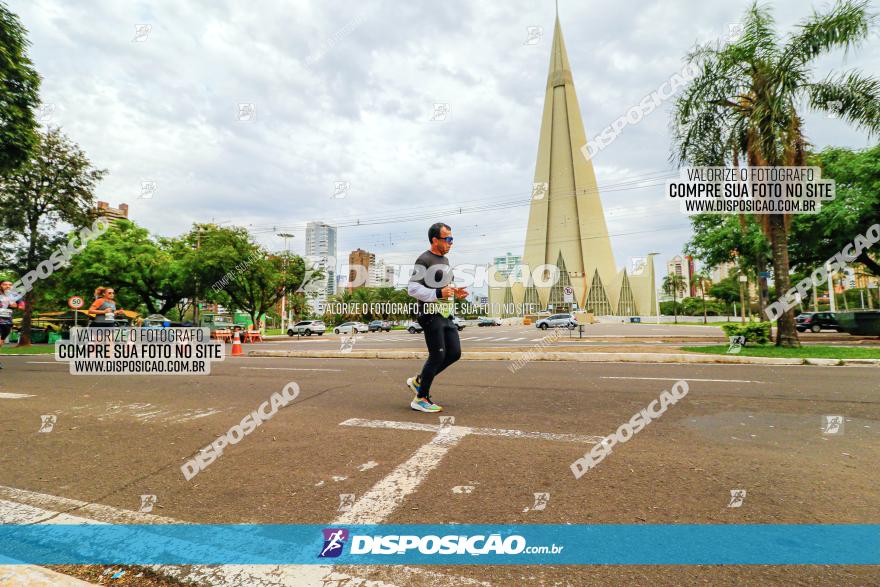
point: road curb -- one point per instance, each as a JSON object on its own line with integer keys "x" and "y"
{"x": 576, "y": 357}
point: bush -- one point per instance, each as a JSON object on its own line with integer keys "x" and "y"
{"x": 757, "y": 332}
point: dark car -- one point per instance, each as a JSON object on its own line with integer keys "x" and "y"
{"x": 488, "y": 322}
{"x": 379, "y": 325}
{"x": 816, "y": 321}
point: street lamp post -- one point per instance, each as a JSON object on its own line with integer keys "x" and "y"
{"x": 831, "y": 301}
{"x": 654, "y": 286}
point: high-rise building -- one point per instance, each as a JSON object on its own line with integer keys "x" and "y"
{"x": 683, "y": 266}
{"x": 566, "y": 228}
{"x": 103, "y": 210}
{"x": 359, "y": 264}
{"x": 721, "y": 272}
{"x": 508, "y": 265}
{"x": 381, "y": 274}
{"x": 321, "y": 254}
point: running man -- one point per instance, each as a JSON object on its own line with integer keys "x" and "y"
{"x": 431, "y": 285}
{"x": 9, "y": 301}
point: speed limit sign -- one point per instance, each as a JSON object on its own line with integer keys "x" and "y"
{"x": 568, "y": 295}
{"x": 75, "y": 302}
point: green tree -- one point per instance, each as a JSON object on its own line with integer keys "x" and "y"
{"x": 145, "y": 271}
{"x": 56, "y": 185}
{"x": 718, "y": 239}
{"x": 817, "y": 237}
{"x": 19, "y": 94}
{"x": 726, "y": 290}
{"x": 701, "y": 279}
{"x": 746, "y": 100}
{"x": 672, "y": 284}
{"x": 238, "y": 273}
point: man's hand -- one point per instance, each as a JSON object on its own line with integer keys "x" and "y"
{"x": 461, "y": 292}
{"x": 448, "y": 292}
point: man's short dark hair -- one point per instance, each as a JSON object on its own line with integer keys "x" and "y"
{"x": 434, "y": 231}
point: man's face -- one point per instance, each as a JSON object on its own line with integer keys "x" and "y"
{"x": 5, "y": 285}
{"x": 441, "y": 243}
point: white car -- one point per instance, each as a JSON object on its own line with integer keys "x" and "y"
{"x": 306, "y": 327}
{"x": 351, "y": 327}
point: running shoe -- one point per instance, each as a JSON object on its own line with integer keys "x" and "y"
{"x": 439, "y": 408}
{"x": 414, "y": 384}
{"x": 423, "y": 404}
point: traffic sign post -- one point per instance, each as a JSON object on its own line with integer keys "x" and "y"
{"x": 75, "y": 303}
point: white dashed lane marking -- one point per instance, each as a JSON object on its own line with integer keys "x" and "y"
{"x": 685, "y": 378}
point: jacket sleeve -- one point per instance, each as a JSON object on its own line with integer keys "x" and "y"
{"x": 421, "y": 292}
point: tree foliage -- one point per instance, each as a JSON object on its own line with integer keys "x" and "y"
{"x": 817, "y": 237}
{"x": 56, "y": 185}
{"x": 19, "y": 94}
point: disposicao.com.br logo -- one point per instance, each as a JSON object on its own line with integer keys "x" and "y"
{"x": 394, "y": 544}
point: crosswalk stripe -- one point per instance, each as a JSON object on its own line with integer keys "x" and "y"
{"x": 14, "y": 395}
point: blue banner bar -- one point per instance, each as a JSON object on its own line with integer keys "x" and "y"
{"x": 562, "y": 544}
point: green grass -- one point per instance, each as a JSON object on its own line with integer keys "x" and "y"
{"x": 14, "y": 349}
{"x": 804, "y": 352}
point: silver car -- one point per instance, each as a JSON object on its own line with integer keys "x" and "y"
{"x": 351, "y": 328}
{"x": 557, "y": 321}
{"x": 307, "y": 327}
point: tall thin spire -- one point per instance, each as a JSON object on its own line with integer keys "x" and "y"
{"x": 567, "y": 222}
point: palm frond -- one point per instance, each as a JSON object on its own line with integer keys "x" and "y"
{"x": 852, "y": 96}
{"x": 844, "y": 26}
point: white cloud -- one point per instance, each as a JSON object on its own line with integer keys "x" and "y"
{"x": 344, "y": 92}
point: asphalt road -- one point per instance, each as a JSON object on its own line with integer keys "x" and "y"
{"x": 740, "y": 427}
{"x": 517, "y": 337}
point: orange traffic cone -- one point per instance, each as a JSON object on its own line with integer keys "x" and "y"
{"x": 236, "y": 345}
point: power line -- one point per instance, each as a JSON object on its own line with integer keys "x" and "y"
{"x": 405, "y": 215}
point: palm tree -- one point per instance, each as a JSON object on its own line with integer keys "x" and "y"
{"x": 702, "y": 278}
{"x": 671, "y": 284}
{"x": 746, "y": 100}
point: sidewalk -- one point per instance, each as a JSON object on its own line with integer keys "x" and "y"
{"x": 580, "y": 355}
{"x": 34, "y": 576}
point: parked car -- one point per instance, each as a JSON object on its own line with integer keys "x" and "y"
{"x": 379, "y": 325}
{"x": 351, "y": 327}
{"x": 414, "y": 327}
{"x": 307, "y": 328}
{"x": 816, "y": 321}
{"x": 488, "y": 322}
{"x": 557, "y": 321}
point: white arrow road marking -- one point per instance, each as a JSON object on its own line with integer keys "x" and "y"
{"x": 385, "y": 496}
{"x": 477, "y": 431}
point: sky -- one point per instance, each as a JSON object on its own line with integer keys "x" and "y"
{"x": 257, "y": 113}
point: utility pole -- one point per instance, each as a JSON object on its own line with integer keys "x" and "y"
{"x": 285, "y": 236}
{"x": 196, "y": 293}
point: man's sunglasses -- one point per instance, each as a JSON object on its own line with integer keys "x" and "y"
{"x": 447, "y": 239}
